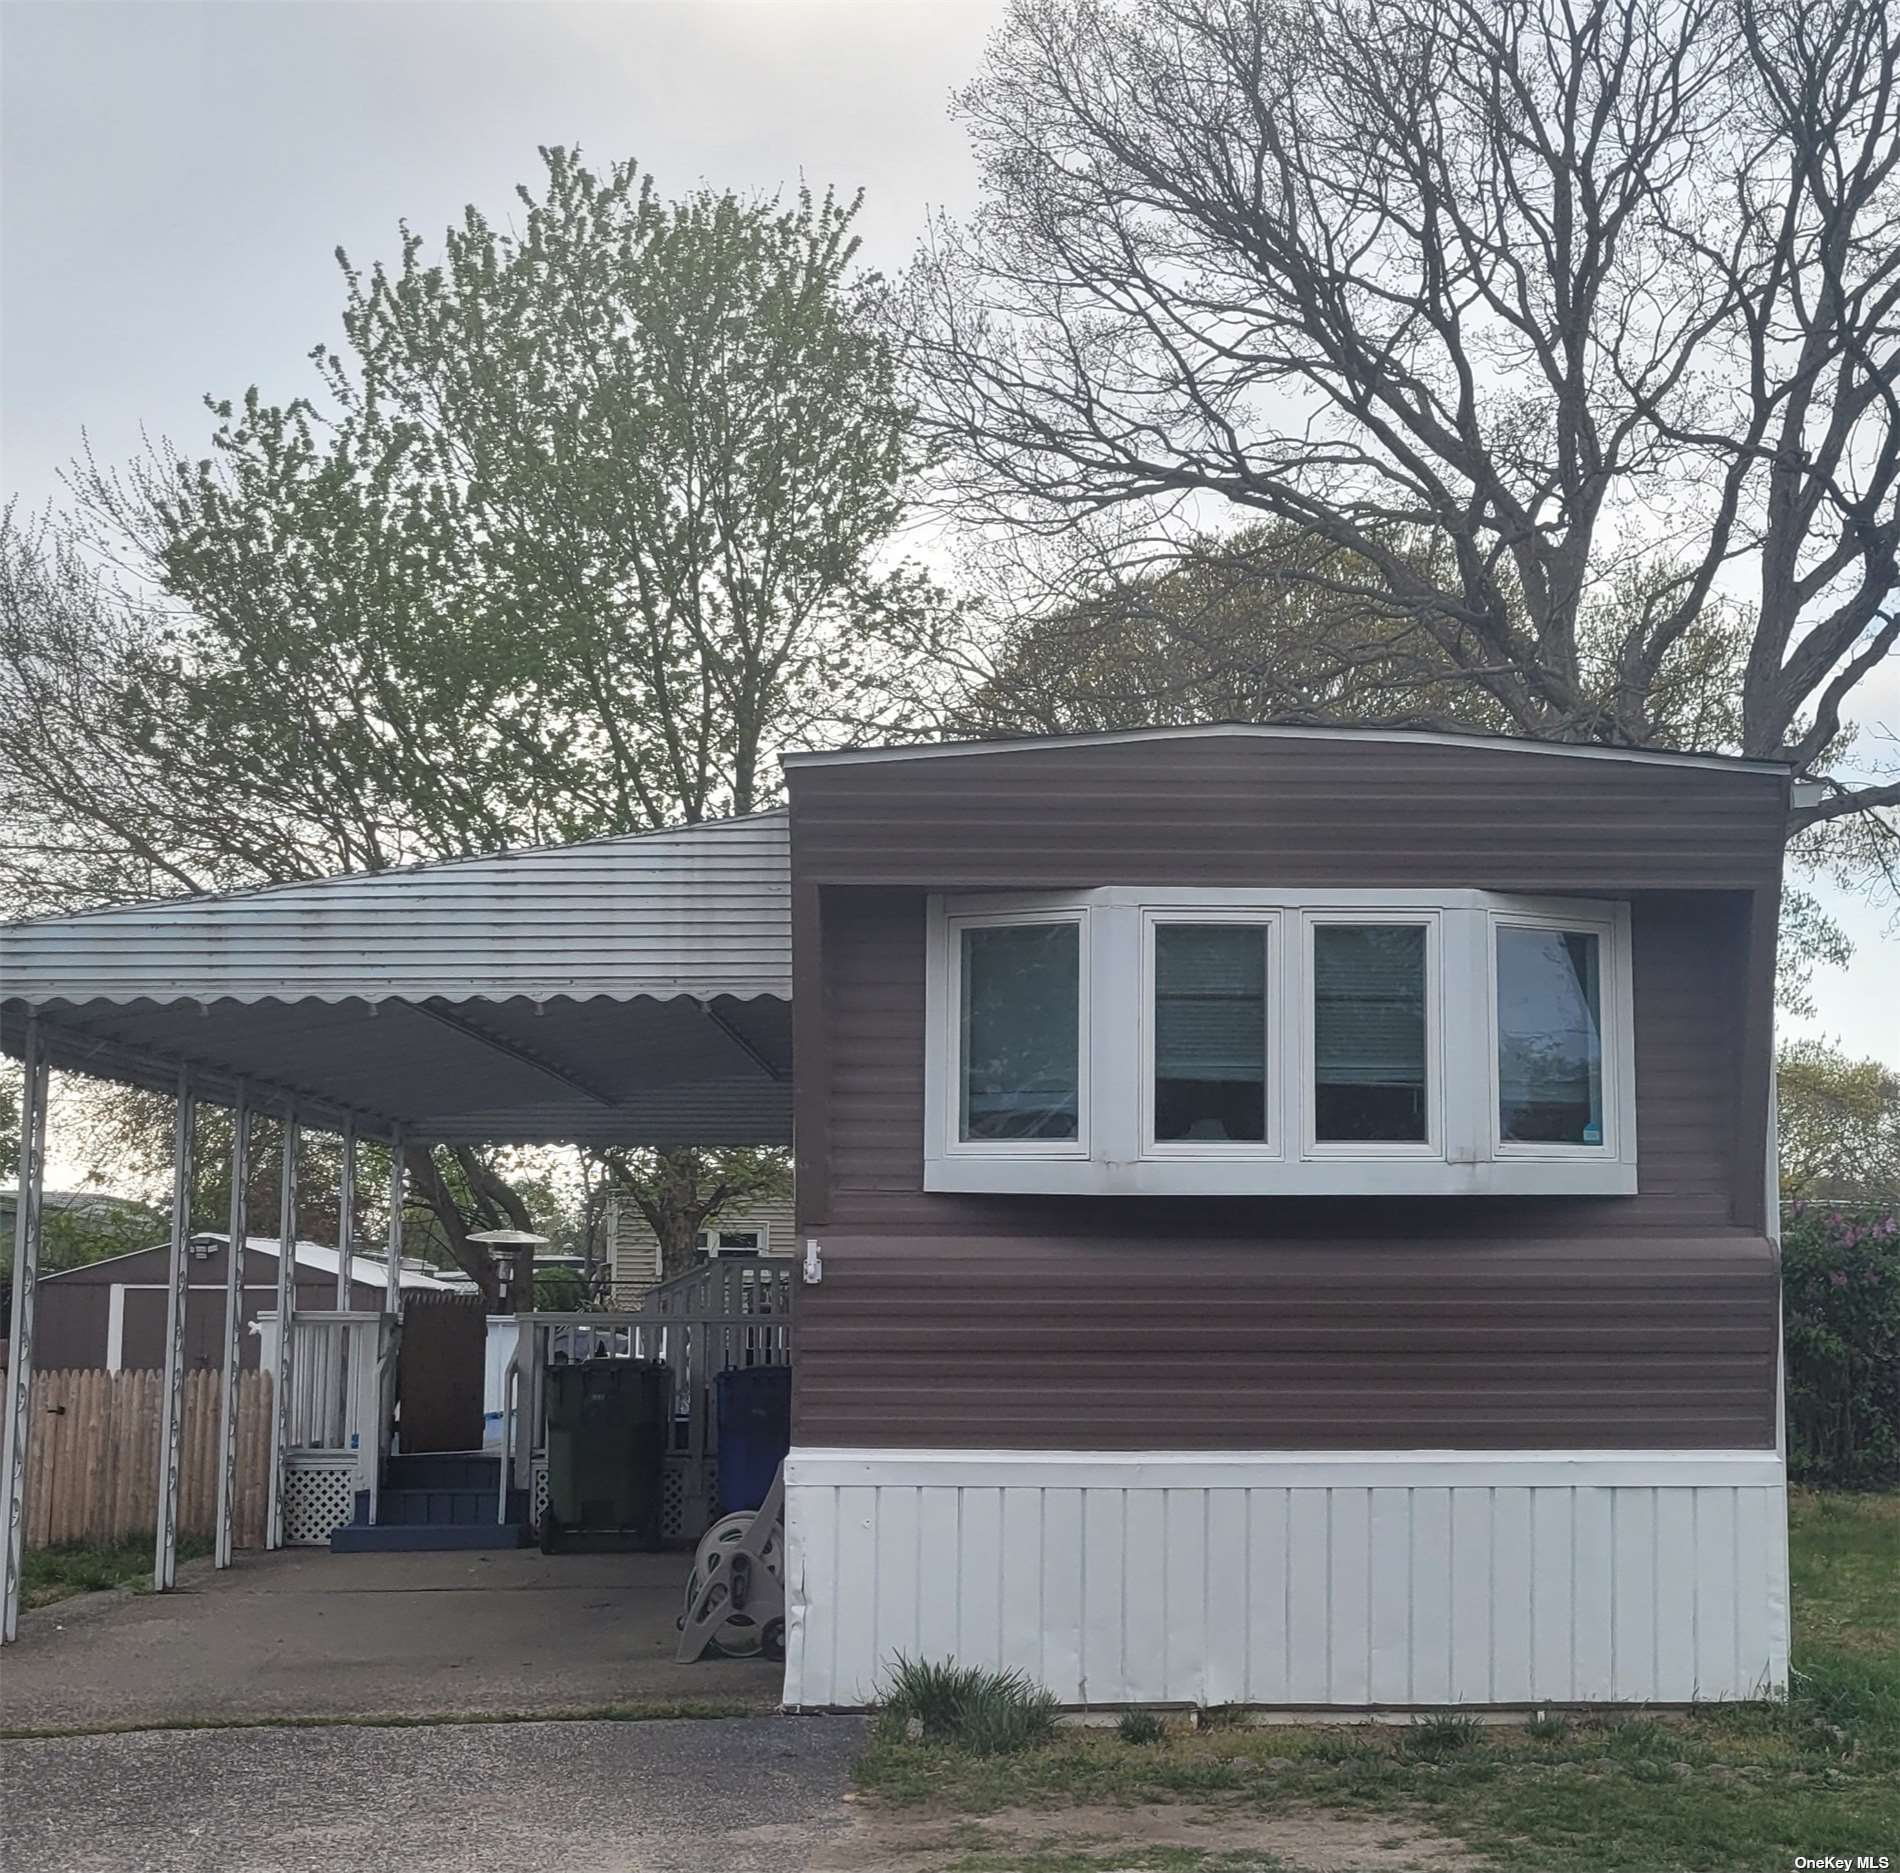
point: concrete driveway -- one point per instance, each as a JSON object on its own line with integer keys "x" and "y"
{"x": 749, "y": 1795}
{"x": 307, "y": 1633}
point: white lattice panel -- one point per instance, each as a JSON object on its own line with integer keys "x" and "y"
{"x": 689, "y": 1487}
{"x": 318, "y": 1500}
{"x": 685, "y": 1511}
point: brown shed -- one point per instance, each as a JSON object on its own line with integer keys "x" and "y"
{"x": 112, "y": 1313}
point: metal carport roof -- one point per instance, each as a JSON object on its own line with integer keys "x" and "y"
{"x": 631, "y": 990}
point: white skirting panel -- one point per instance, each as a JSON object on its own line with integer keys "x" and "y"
{"x": 1369, "y": 1582}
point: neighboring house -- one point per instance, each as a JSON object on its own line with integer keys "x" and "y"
{"x": 1293, "y": 1220}
{"x": 765, "y": 1228}
{"x": 112, "y": 1313}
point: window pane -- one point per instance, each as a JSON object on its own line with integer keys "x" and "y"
{"x": 1369, "y": 1033}
{"x": 1021, "y": 1028}
{"x": 1550, "y": 1037}
{"x": 1211, "y": 1031}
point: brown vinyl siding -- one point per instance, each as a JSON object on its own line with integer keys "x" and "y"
{"x": 1265, "y": 1323}
{"x": 1172, "y": 1343}
{"x": 1297, "y": 812}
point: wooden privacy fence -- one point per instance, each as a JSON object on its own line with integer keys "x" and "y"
{"x": 93, "y": 1473}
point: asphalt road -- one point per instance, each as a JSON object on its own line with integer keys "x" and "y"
{"x": 735, "y": 1795}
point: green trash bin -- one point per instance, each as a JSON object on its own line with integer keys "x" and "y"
{"x": 607, "y": 1424}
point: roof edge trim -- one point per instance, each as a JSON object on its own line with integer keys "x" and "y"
{"x": 372, "y": 997}
{"x": 393, "y": 873}
{"x": 928, "y": 751}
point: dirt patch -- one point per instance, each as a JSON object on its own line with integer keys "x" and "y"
{"x": 909, "y": 1841}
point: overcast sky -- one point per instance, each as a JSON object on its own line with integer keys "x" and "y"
{"x": 177, "y": 177}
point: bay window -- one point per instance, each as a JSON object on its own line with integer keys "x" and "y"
{"x": 1208, "y": 1073}
{"x": 1236, "y": 1042}
{"x": 1550, "y": 1050}
{"x": 1371, "y": 1016}
{"x": 1019, "y": 1059}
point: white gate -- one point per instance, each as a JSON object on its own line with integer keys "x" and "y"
{"x": 342, "y": 1399}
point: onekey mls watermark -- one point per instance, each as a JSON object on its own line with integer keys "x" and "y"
{"x": 1842, "y": 1863}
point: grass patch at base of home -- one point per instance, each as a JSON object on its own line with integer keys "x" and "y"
{"x": 1735, "y": 1788}
{"x": 69, "y": 1567}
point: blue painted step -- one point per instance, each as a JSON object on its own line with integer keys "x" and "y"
{"x": 437, "y": 1501}
{"x": 437, "y": 1537}
{"x": 444, "y": 1470}
{"x": 459, "y": 1506}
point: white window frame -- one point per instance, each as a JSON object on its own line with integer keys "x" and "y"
{"x": 943, "y": 1011}
{"x": 1610, "y": 924}
{"x": 1272, "y": 925}
{"x": 1115, "y": 1152}
{"x": 710, "y": 1239}
{"x": 1432, "y": 1146}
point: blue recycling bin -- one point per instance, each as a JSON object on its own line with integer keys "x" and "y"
{"x": 755, "y": 1432}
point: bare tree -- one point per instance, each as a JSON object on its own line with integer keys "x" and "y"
{"x": 1493, "y": 302}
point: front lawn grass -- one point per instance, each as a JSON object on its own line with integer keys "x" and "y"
{"x": 70, "y": 1567}
{"x": 1736, "y": 1788}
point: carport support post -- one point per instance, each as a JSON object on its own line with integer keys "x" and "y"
{"x": 26, "y": 1269}
{"x": 172, "y": 1406}
{"x": 345, "y": 1212}
{"x": 392, "y": 1299}
{"x": 282, "y": 1376}
{"x": 234, "y": 1260}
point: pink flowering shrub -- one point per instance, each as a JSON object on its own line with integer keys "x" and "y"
{"x": 1840, "y": 1273}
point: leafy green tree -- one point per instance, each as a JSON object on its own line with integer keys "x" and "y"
{"x": 1839, "y": 1122}
{"x": 561, "y": 1291}
{"x": 587, "y": 528}
{"x": 1267, "y": 624}
{"x": 1840, "y": 1276}
{"x": 583, "y": 521}
{"x": 9, "y": 1123}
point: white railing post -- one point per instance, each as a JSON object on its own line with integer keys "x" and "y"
{"x": 18, "y": 1434}
{"x": 384, "y": 1332}
{"x": 532, "y": 1415}
{"x": 345, "y": 1213}
{"x": 393, "y": 1272}
{"x": 510, "y": 1382}
{"x": 236, "y": 1254}
{"x": 172, "y": 1405}
{"x": 283, "y": 1377}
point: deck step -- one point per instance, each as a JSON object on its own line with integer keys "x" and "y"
{"x": 444, "y": 1470}
{"x": 429, "y": 1537}
{"x": 437, "y": 1506}
{"x": 437, "y": 1501}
